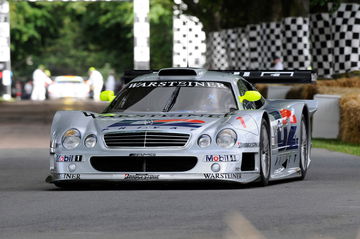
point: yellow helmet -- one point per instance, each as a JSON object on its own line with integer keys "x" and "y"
{"x": 92, "y": 69}
{"x": 48, "y": 73}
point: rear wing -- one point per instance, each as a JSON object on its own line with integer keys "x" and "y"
{"x": 253, "y": 76}
{"x": 275, "y": 76}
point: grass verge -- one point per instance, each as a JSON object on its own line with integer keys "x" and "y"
{"x": 337, "y": 145}
{"x": 7, "y": 100}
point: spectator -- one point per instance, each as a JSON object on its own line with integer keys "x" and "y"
{"x": 40, "y": 81}
{"x": 277, "y": 64}
{"x": 27, "y": 90}
{"x": 18, "y": 90}
{"x": 96, "y": 81}
{"x": 110, "y": 82}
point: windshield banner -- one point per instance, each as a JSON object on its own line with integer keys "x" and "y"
{"x": 207, "y": 84}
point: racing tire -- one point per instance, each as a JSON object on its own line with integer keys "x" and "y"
{"x": 304, "y": 148}
{"x": 264, "y": 153}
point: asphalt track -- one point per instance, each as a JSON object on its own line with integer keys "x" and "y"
{"x": 325, "y": 205}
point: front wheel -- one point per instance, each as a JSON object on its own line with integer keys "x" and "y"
{"x": 264, "y": 153}
{"x": 304, "y": 148}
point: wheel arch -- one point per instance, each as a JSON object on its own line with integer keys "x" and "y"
{"x": 305, "y": 112}
{"x": 308, "y": 125}
{"x": 267, "y": 119}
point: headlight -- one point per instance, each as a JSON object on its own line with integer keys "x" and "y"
{"x": 90, "y": 141}
{"x": 71, "y": 139}
{"x": 226, "y": 138}
{"x": 204, "y": 141}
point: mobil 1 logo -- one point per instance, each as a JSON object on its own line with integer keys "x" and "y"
{"x": 220, "y": 158}
{"x": 68, "y": 158}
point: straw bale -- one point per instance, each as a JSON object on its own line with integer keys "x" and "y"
{"x": 350, "y": 118}
{"x": 349, "y": 90}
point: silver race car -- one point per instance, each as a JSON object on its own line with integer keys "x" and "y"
{"x": 186, "y": 124}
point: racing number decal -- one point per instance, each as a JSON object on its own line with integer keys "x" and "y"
{"x": 287, "y": 140}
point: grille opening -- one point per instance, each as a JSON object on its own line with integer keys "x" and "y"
{"x": 177, "y": 72}
{"x": 146, "y": 139}
{"x": 248, "y": 162}
{"x": 143, "y": 164}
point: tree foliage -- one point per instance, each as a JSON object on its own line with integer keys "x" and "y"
{"x": 222, "y": 14}
{"x": 32, "y": 28}
{"x": 160, "y": 16}
{"x": 219, "y": 14}
{"x": 69, "y": 37}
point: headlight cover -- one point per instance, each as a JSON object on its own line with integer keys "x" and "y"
{"x": 204, "y": 141}
{"x": 226, "y": 138}
{"x": 71, "y": 139}
{"x": 90, "y": 141}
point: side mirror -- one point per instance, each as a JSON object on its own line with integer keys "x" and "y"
{"x": 251, "y": 96}
{"x": 107, "y": 95}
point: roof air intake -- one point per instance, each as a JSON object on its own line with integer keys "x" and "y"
{"x": 177, "y": 72}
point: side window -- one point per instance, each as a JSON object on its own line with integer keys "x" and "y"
{"x": 242, "y": 89}
{"x": 259, "y": 103}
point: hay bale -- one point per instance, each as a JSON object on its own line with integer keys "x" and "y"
{"x": 342, "y": 86}
{"x": 262, "y": 88}
{"x": 329, "y": 90}
{"x": 349, "y": 89}
{"x": 350, "y": 118}
{"x": 341, "y": 82}
{"x": 302, "y": 92}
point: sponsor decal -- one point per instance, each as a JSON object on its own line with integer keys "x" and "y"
{"x": 287, "y": 140}
{"x": 283, "y": 159}
{"x": 220, "y": 158}
{"x": 174, "y": 123}
{"x": 68, "y": 158}
{"x": 69, "y": 176}
{"x": 249, "y": 145}
{"x": 177, "y": 84}
{"x": 141, "y": 177}
{"x": 245, "y": 123}
{"x": 222, "y": 175}
{"x": 142, "y": 155}
{"x": 242, "y": 121}
{"x": 275, "y": 114}
{"x": 286, "y": 115}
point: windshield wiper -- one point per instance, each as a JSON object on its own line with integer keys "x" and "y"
{"x": 231, "y": 111}
{"x": 172, "y": 100}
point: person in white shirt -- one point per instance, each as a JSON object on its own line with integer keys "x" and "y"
{"x": 96, "y": 81}
{"x": 40, "y": 81}
{"x": 277, "y": 64}
{"x": 110, "y": 82}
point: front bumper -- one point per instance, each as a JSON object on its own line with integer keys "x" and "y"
{"x": 245, "y": 177}
{"x": 218, "y": 167}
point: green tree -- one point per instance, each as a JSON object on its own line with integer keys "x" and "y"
{"x": 32, "y": 28}
{"x": 161, "y": 37}
{"x": 106, "y": 30}
{"x": 218, "y": 14}
{"x": 70, "y": 37}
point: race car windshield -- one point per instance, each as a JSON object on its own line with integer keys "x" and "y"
{"x": 175, "y": 96}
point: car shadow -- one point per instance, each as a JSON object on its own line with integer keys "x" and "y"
{"x": 161, "y": 185}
